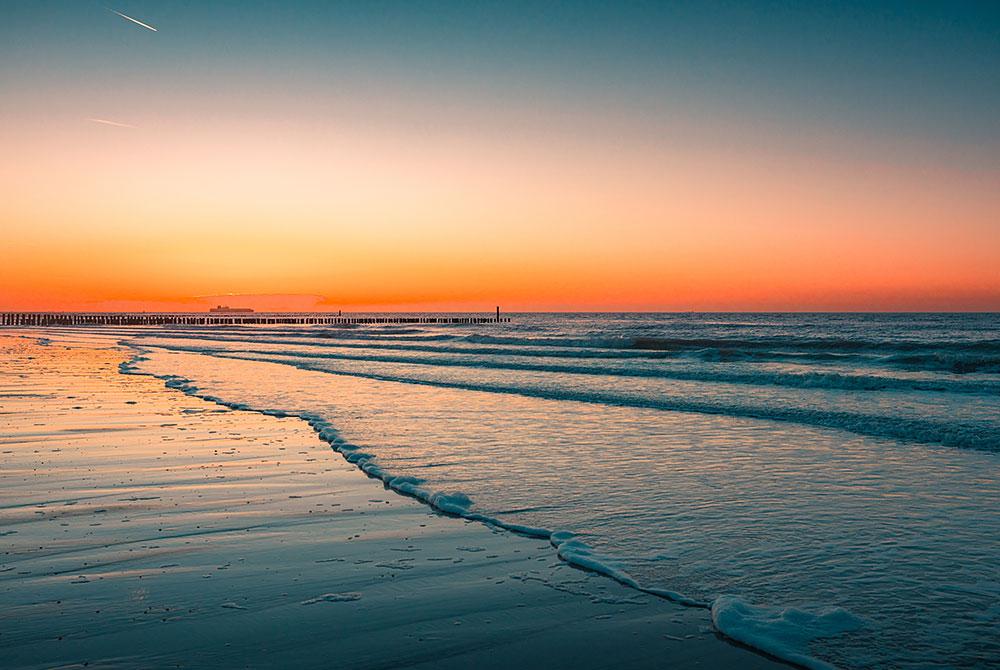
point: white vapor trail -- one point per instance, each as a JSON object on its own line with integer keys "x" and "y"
{"x": 136, "y": 21}
{"x": 112, "y": 123}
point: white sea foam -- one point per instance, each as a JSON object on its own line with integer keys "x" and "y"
{"x": 333, "y": 598}
{"x": 784, "y": 633}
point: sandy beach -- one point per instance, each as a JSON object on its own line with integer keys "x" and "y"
{"x": 140, "y": 527}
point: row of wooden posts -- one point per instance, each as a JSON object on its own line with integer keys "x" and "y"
{"x": 210, "y": 319}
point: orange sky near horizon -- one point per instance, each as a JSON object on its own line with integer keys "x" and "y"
{"x": 372, "y": 218}
{"x": 279, "y": 194}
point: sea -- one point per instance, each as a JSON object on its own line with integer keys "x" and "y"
{"x": 826, "y": 486}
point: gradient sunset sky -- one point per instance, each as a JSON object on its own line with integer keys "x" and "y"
{"x": 539, "y": 156}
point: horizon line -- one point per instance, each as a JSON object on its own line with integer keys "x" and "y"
{"x": 492, "y": 311}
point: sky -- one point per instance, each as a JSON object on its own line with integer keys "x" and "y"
{"x": 551, "y": 156}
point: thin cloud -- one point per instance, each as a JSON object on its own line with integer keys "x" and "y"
{"x": 116, "y": 124}
{"x": 135, "y": 21}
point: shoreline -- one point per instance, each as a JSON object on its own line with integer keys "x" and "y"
{"x": 567, "y": 548}
{"x": 267, "y": 553}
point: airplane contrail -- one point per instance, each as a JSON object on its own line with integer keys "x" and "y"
{"x": 112, "y": 123}
{"x": 136, "y": 21}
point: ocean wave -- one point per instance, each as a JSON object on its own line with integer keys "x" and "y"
{"x": 979, "y": 356}
{"x": 416, "y": 345}
{"x": 952, "y": 356}
{"x": 979, "y": 435}
{"x": 804, "y": 380}
{"x": 945, "y": 362}
{"x": 819, "y": 344}
{"x": 785, "y": 636}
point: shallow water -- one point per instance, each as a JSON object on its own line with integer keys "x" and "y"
{"x": 792, "y": 461}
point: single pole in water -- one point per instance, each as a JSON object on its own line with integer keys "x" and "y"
{"x": 498, "y": 313}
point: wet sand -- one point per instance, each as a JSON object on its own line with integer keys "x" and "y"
{"x": 140, "y": 527}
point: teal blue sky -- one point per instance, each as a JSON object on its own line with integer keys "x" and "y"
{"x": 922, "y": 70}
